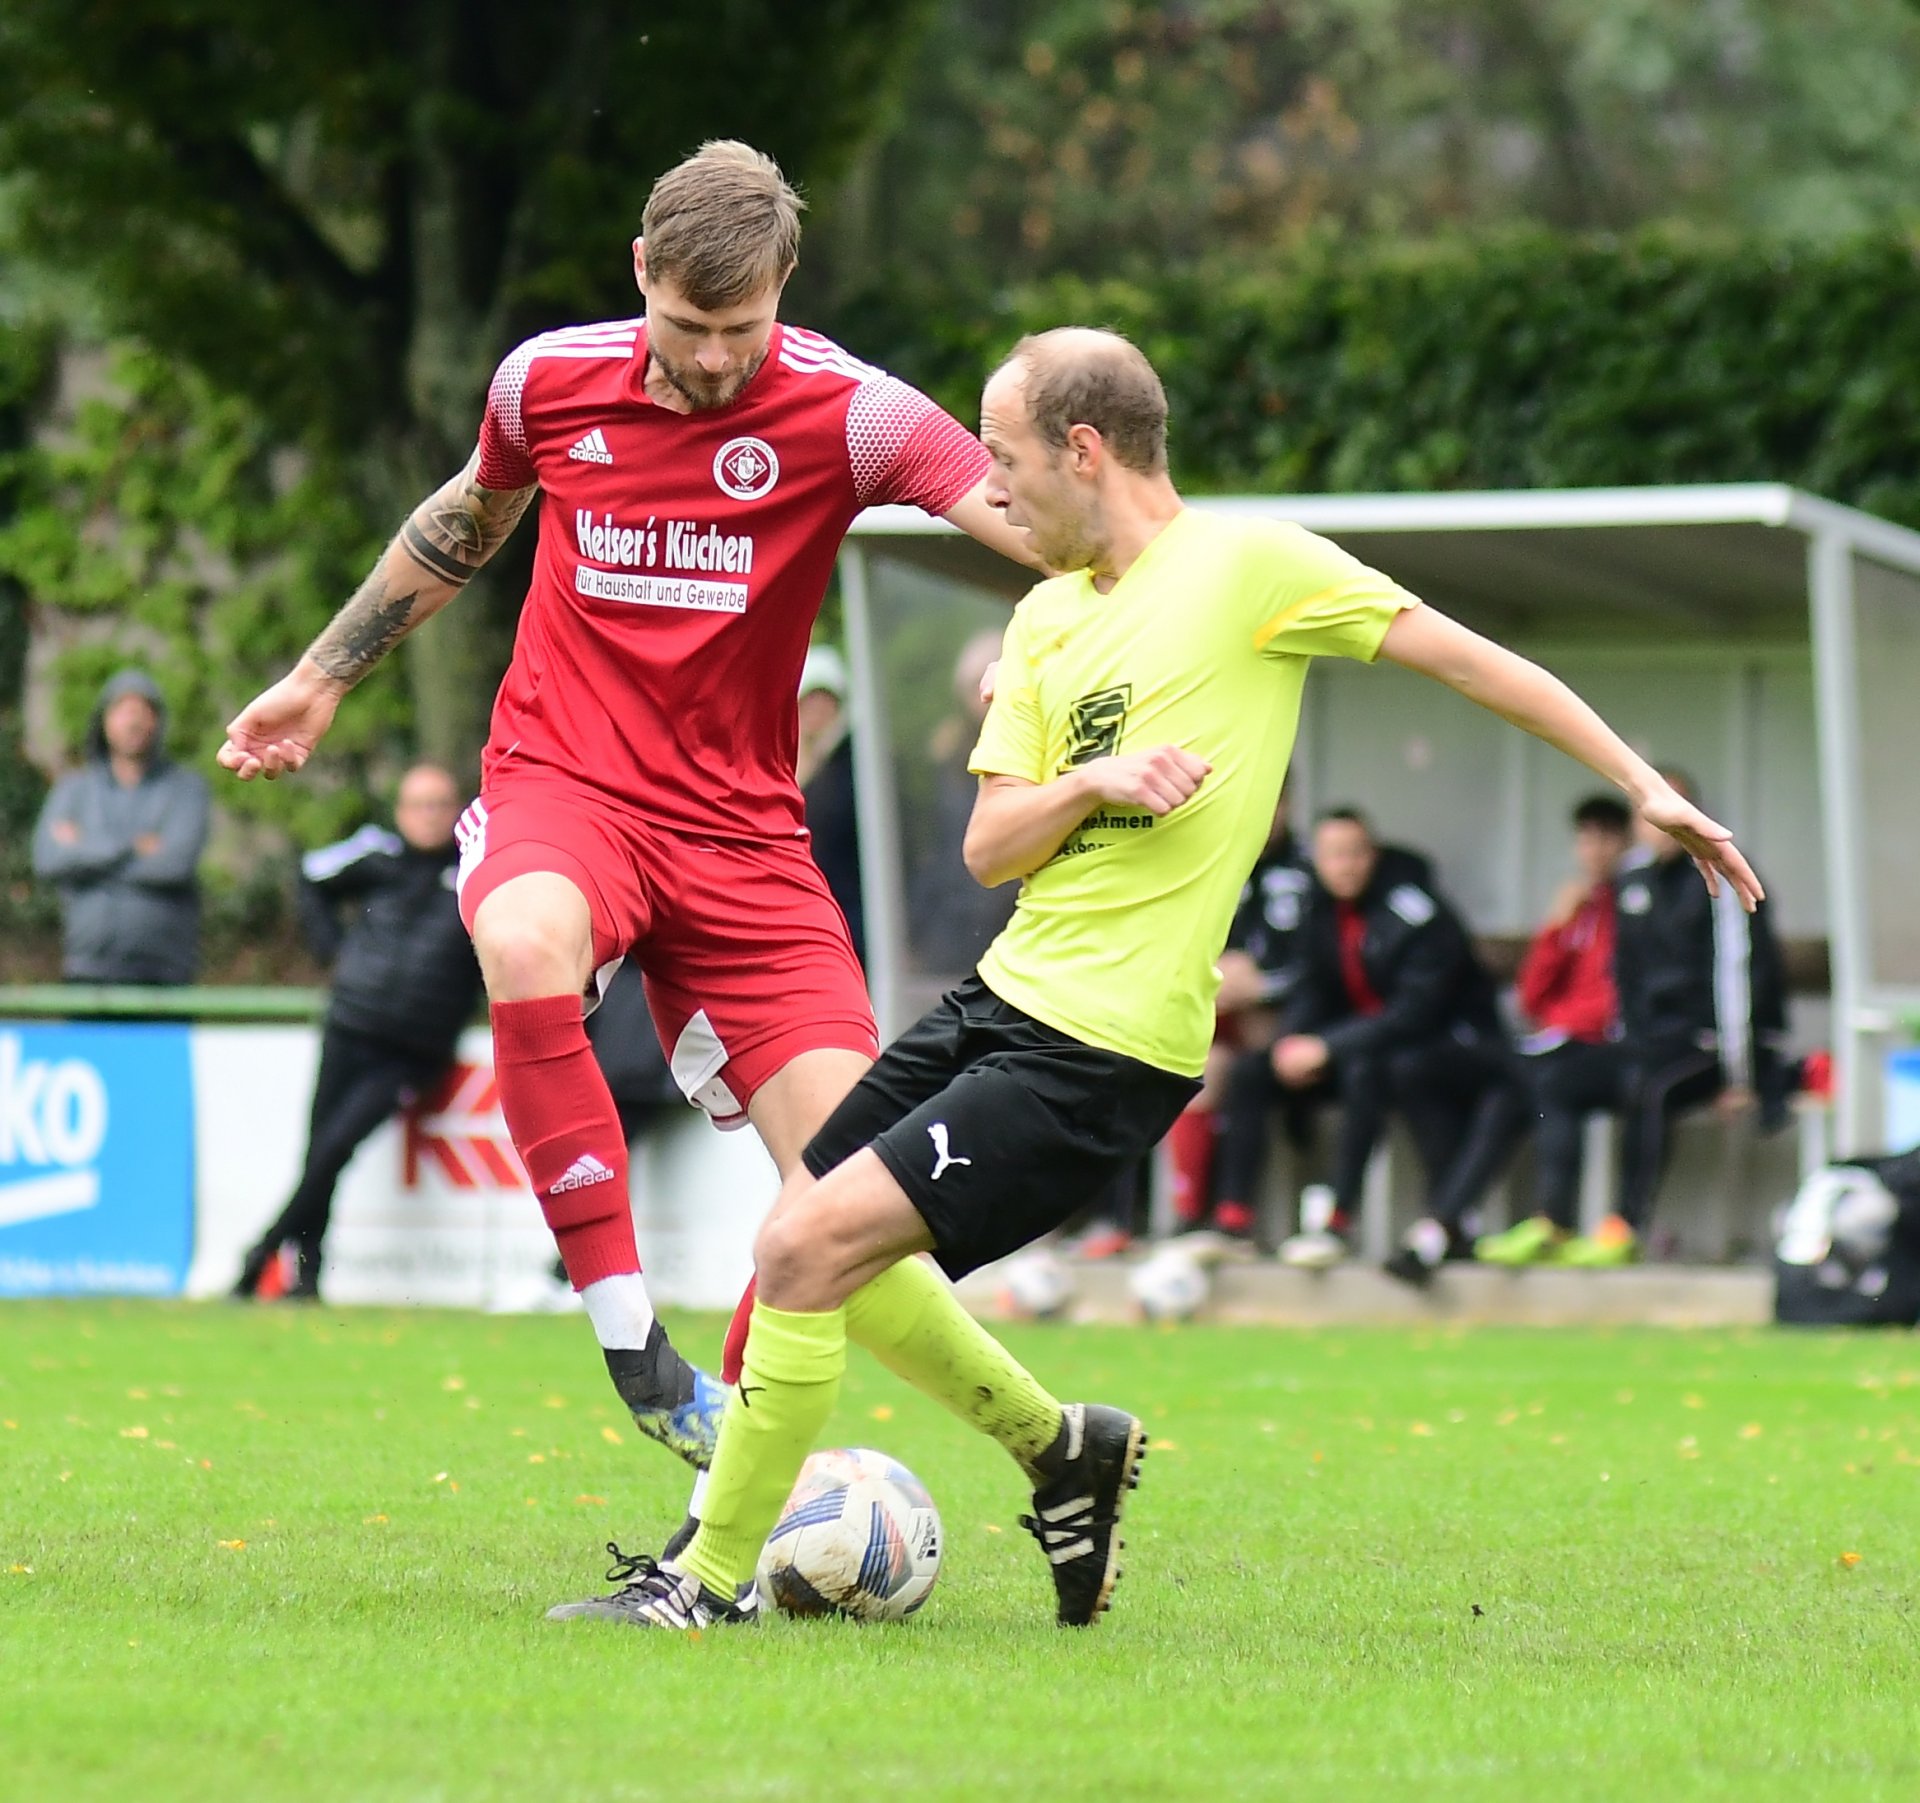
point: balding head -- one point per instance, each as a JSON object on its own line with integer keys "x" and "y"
{"x": 1078, "y": 376}
{"x": 427, "y": 806}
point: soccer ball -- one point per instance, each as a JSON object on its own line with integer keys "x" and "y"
{"x": 859, "y": 1536}
{"x": 1034, "y": 1286}
{"x": 1863, "y": 1218}
{"x": 1170, "y": 1285}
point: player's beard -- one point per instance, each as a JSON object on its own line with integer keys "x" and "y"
{"x": 702, "y": 393}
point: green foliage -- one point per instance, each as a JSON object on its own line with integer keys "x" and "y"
{"x": 297, "y": 199}
{"x": 160, "y": 523}
{"x": 1527, "y": 361}
{"x": 349, "y": 214}
{"x": 24, "y": 366}
{"x": 1067, "y": 136}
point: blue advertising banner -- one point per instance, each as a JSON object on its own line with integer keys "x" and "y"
{"x": 96, "y": 1160}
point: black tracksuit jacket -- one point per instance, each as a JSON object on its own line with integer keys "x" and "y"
{"x": 403, "y": 968}
{"x": 1418, "y": 960}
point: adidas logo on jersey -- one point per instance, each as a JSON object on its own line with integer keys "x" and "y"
{"x": 584, "y": 1170}
{"x": 592, "y": 449}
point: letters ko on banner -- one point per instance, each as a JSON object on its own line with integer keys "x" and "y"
{"x": 96, "y": 1160}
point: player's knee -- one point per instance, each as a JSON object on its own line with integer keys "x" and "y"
{"x": 792, "y": 1254}
{"x": 522, "y": 955}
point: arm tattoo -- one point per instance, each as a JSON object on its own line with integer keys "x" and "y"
{"x": 455, "y": 531}
{"x": 434, "y": 561}
{"x": 364, "y": 631}
{"x": 449, "y": 536}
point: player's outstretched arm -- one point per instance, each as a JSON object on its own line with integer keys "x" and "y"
{"x": 431, "y": 559}
{"x": 1018, "y": 825}
{"x": 1537, "y": 701}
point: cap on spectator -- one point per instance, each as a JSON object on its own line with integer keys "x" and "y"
{"x": 825, "y": 669}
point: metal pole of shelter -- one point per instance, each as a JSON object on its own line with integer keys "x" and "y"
{"x": 1836, "y": 675}
{"x": 875, "y": 804}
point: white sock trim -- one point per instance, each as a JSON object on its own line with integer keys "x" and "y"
{"x": 621, "y": 1312}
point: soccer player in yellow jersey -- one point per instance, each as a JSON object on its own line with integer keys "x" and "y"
{"x": 1144, "y": 712}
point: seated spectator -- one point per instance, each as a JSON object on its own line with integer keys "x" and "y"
{"x": 404, "y": 984}
{"x": 1573, "y": 1060}
{"x": 1702, "y": 1016}
{"x": 1257, "y": 970}
{"x": 120, "y": 839}
{"x": 824, "y": 768}
{"x": 1391, "y": 1010}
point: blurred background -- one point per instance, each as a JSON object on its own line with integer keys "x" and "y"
{"x": 260, "y": 261}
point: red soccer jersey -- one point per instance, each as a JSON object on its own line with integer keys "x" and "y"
{"x": 1566, "y": 981}
{"x": 683, "y": 558}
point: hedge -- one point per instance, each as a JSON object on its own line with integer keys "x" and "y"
{"x": 1521, "y": 362}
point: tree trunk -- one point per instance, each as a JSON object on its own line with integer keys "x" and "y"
{"x": 455, "y": 661}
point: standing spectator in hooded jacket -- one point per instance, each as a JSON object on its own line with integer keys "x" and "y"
{"x": 120, "y": 839}
{"x": 404, "y": 984}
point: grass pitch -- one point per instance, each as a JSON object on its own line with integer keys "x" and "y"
{"x": 304, "y": 1554}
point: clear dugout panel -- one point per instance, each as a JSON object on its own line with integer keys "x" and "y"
{"x": 933, "y": 639}
{"x": 1887, "y": 641}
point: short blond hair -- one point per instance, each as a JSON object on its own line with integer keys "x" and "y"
{"x": 724, "y": 225}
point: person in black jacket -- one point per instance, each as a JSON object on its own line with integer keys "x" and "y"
{"x": 1702, "y": 1019}
{"x": 404, "y": 984}
{"x": 1391, "y": 1010}
{"x": 825, "y": 772}
{"x": 1257, "y": 970}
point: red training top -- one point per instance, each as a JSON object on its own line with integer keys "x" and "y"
{"x": 1566, "y": 980}
{"x": 1351, "y": 925}
{"x": 683, "y": 558}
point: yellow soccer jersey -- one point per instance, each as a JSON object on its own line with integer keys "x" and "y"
{"x": 1203, "y": 644}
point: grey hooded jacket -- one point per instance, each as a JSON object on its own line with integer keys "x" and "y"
{"x": 130, "y": 917}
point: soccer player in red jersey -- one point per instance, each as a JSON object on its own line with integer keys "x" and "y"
{"x": 697, "y": 470}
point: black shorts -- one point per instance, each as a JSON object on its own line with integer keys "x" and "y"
{"x": 996, "y": 1126}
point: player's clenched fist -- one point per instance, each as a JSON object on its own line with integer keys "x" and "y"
{"x": 276, "y": 733}
{"x": 1158, "y": 780}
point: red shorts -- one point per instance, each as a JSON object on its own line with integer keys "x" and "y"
{"x": 744, "y": 950}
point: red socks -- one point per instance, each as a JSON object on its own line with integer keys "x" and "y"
{"x": 1190, "y": 1143}
{"x": 564, "y": 1126}
{"x": 736, "y": 1347}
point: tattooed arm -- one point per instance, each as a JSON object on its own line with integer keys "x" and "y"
{"x": 432, "y": 558}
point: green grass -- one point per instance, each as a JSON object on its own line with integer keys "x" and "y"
{"x": 305, "y": 1554}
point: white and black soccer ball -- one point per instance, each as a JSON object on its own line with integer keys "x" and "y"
{"x": 1171, "y": 1285}
{"x": 1863, "y": 1219}
{"x": 859, "y": 1537}
{"x": 1034, "y": 1286}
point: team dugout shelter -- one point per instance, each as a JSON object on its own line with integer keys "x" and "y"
{"x": 1763, "y": 639}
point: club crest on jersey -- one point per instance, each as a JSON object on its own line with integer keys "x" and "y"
{"x": 1096, "y": 724}
{"x": 746, "y": 468}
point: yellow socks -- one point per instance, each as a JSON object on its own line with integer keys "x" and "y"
{"x": 912, "y": 1322}
{"x": 789, "y": 1381}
